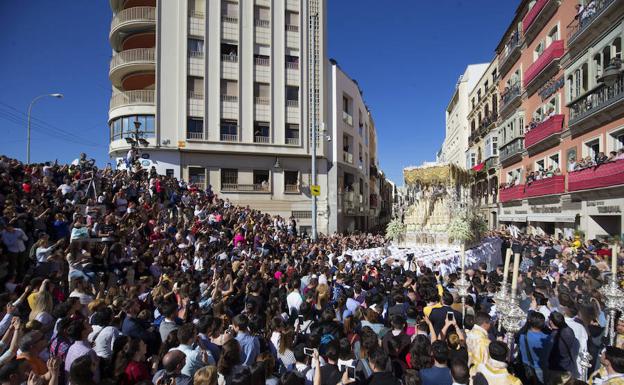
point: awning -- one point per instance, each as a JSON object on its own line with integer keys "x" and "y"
{"x": 566, "y": 218}
{"x": 512, "y": 218}
{"x": 478, "y": 167}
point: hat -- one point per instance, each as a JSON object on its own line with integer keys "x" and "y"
{"x": 498, "y": 351}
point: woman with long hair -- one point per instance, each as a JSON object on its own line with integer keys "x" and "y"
{"x": 130, "y": 366}
{"x": 323, "y": 294}
{"x": 41, "y": 310}
{"x": 206, "y": 376}
{"x": 419, "y": 356}
{"x": 284, "y": 350}
{"x": 229, "y": 359}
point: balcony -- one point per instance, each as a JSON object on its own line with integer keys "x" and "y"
{"x": 292, "y": 28}
{"x": 511, "y": 193}
{"x": 600, "y": 106}
{"x": 537, "y": 17}
{"x": 546, "y": 186}
{"x": 544, "y": 68}
{"x": 236, "y": 187}
{"x": 347, "y": 118}
{"x": 130, "y": 61}
{"x": 262, "y": 61}
{"x": 262, "y": 23}
{"x": 544, "y": 135}
{"x": 347, "y": 157}
{"x": 229, "y": 19}
{"x": 491, "y": 163}
{"x": 292, "y": 103}
{"x": 592, "y": 23}
{"x": 194, "y": 135}
{"x": 605, "y": 175}
{"x": 291, "y": 188}
{"x": 131, "y": 20}
{"x": 229, "y": 137}
{"x": 292, "y": 141}
{"x": 262, "y": 139}
{"x": 132, "y": 98}
{"x": 511, "y": 53}
{"x": 510, "y": 99}
{"x": 511, "y": 152}
{"x": 487, "y": 123}
{"x": 229, "y": 98}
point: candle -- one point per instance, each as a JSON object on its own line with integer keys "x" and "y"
{"x": 614, "y": 257}
{"x": 463, "y": 258}
{"x": 514, "y": 279}
{"x": 507, "y": 260}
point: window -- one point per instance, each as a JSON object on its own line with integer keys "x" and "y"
{"x": 195, "y": 86}
{"x": 229, "y": 178}
{"x": 292, "y": 134}
{"x": 195, "y": 128}
{"x": 540, "y": 165}
{"x": 229, "y": 90}
{"x": 617, "y": 138}
{"x": 229, "y": 129}
{"x": 494, "y": 146}
{"x": 229, "y": 52}
{"x": 124, "y": 126}
{"x": 473, "y": 159}
{"x": 553, "y": 35}
{"x": 292, "y": 21}
{"x": 262, "y": 93}
{"x": 230, "y": 10}
{"x": 262, "y": 132}
{"x": 197, "y": 176}
{"x": 262, "y": 16}
{"x": 292, "y": 62}
{"x": 291, "y": 181}
{"x": 292, "y": 96}
{"x": 261, "y": 179}
{"x": 553, "y": 161}
{"x": 196, "y": 46}
{"x": 169, "y": 172}
{"x": 539, "y": 49}
{"x": 346, "y": 104}
{"x": 591, "y": 148}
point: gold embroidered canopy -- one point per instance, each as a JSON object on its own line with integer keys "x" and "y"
{"x": 436, "y": 174}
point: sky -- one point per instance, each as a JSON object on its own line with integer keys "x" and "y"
{"x": 405, "y": 54}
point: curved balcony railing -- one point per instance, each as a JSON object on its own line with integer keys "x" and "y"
{"x": 604, "y": 175}
{"x": 132, "y": 56}
{"x": 551, "y": 126}
{"x": 134, "y": 15}
{"x": 131, "y": 98}
{"x": 550, "y": 54}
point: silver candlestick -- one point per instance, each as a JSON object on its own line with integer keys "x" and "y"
{"x": 501, "y": 299}
{"x": 585, "y": 365}
{"x": 462, "y": 289}
{"x": 614, "y": 302}
{"x": 513, "y": 319}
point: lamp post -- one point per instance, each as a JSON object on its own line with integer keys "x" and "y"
{"x": 135, "y": 141}
{"x": 28, "y": 128}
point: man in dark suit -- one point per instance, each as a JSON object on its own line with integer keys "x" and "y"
{"x": 439, "y": 315}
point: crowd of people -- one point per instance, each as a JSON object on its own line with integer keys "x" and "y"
{"x": 130, "y": 277}
{"x": 599, "y": 159}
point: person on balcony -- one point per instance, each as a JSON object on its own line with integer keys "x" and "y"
{"x": 572, "y": 164}
{"x": 600, "y": 159}
{"x": 620, "y": 154}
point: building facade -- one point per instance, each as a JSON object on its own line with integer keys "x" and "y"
{"x": 221, "y": 91}
{"x": 457, "y": 128}
{"x": 482, "y": 152}
{"x": 562, "y": 92}
{"x": 352, "y": 156}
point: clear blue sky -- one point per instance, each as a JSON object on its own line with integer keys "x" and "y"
{"x": 405, "y": 54}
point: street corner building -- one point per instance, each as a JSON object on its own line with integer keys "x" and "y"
{"x": 545, "y": 121}
{"x": 229, "y": 93}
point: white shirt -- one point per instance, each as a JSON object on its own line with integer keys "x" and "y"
{"x": 103, "y": 340}
{"x": 581, "y": 335}
{"x": 294, "y": 301}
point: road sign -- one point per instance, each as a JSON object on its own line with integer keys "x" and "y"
{"x": 315, "y": 190}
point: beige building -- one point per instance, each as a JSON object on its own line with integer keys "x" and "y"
{"x": 220, "y": 89}
{"x": 482, "y": 152}
{"x": 457, "y": 129}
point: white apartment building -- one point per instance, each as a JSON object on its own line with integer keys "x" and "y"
{"x": 457, "y": 127}
{"x": 349, "y": 154}
{"x": 221, "y": 91}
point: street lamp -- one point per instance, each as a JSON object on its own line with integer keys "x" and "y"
{"x": 28, "y": 129}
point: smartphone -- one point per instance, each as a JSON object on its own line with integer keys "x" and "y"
{"x": 308, "y": 351}
{"x": 450, "y": 315}
{"x": 351, "y": 372}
